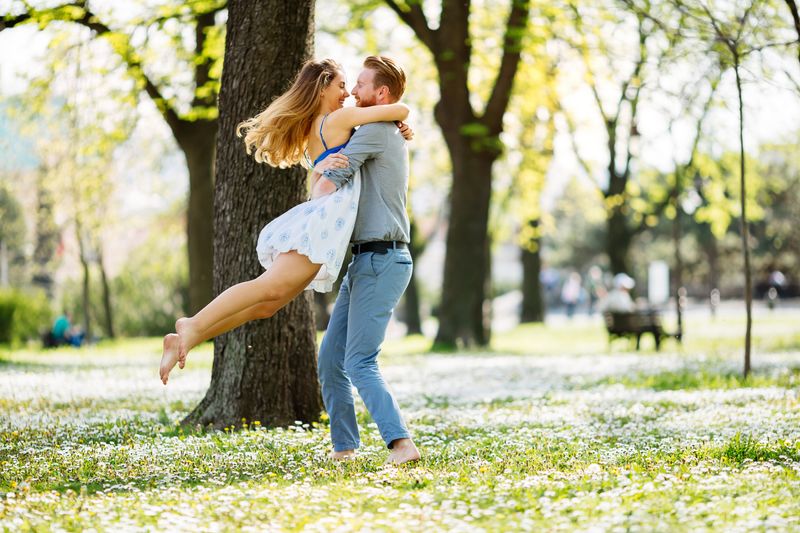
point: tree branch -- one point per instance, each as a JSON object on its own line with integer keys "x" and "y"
{"x": 581, "y": 161}
{"x": 582, "y": 48}
{"x": 203, "y": 67}
{"x": 512, "y": 48}
{"x": 796, "y": 18}
{"x": 411, "y": 13}
{"x": 79, "y": 13}
{"x": 634, "y": 101}
{"x": 682, "y": 169}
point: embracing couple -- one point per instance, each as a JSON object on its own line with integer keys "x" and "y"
{"x": 359, "y": 185}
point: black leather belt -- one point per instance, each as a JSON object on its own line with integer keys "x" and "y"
{"x": 379, "y": 247}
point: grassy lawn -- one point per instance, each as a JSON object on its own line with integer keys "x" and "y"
{"x": 546, "y": 430}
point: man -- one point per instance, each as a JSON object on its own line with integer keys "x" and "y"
{"x": 377, "y": 276}
{"x": 618, "y": 299}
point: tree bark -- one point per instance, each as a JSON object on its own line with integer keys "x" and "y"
{"x": 264, "y": 370}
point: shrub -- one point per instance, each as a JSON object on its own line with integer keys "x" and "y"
{"x": 23, "y": 315}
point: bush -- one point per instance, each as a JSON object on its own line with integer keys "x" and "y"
{"x": 23, "y": 315}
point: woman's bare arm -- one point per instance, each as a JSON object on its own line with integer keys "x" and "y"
{"x": 350, "y": 117}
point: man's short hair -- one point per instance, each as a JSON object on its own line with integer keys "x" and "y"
{"x": 387, "y": 73}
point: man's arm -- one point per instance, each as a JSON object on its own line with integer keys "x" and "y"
{"x": 367, "y": 142}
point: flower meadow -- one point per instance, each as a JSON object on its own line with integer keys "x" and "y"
{"x": 605, "y": 441}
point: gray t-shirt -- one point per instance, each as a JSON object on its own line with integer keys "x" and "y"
{"x": 380, "y": 152}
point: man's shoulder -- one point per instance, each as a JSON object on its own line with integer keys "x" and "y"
{"x": 375, "y": 127}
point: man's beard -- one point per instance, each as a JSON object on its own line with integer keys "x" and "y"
{"x": 367, "y": 102}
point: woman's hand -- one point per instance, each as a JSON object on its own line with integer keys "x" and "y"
{"x": 337, "y": 160}
{"x": 321, "y": 186}
{"x": 405, "y": 130}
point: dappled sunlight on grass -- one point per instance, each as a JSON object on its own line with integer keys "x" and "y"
{"x": 546, "y": 431}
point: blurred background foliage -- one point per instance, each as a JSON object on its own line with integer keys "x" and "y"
{"x": 620, "y": 126}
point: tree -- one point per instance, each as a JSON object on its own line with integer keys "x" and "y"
{"x": 12, "y": 231}
{"x": 263, "y": 371}
{"x": 472, "y": 138}
{"x": 193, "y": 123}
{"x": 738, "y": 33}
{"x": 792, "y": 5}
{"x": 535, "y": 104}
{"x": 624, "y": 80}
{"x": 47, "y": 237}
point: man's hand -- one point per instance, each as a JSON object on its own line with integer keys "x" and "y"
{"x": 405, "y": 130}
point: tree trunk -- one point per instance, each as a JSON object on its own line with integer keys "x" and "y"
{"x": 473, "y": 142}
{"x": 321, "y": 314}
{"x": 196, "y": 140}
{"x": 3, "y": 264}
{"x": 412, "y": 314}
{"x": 748, "y": 281}
{"x": 264, "y": 370}
{"x": 676, "y": 240}
{"x": 792, "y": 5}
{"x": 106, "y": 294}
{"x": 532, "y": 302}
{"x": 618, "y": 242}
{"x": 411, "y": 303}
{"x": 85, "y": 299}
{"x": 47, "y": 237}
{"x": 712, "y": 253}
{"x": 461, "y": 313}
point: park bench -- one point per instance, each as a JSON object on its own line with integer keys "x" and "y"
{"x": 636, "y": 324}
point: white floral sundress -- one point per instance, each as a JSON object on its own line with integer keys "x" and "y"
{"x": 320, "y": 229}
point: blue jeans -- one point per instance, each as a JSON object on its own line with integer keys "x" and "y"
{"x": 348, "y": 355}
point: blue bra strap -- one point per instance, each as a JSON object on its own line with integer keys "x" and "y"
{"x": 321, "y": 138}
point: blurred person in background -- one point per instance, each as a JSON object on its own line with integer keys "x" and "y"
{"x": 618, "y": 299}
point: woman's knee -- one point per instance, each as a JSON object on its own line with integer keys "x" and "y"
{"x": 270, "y": 292}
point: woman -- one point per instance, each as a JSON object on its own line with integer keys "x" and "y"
{"x": 305, "y": 246}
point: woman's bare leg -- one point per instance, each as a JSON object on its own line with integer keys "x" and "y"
{"x": 287, "y": 277}
{"x": 255, "y": 312}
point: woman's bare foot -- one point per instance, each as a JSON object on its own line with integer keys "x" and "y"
{"x": 344, "y": 455}
{"x": 184, "y": 328}
{"x": 403, "y": 451}
{"x": 169, "y": 356}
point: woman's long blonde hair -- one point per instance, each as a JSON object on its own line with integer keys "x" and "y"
{"x": 279, "y": 134}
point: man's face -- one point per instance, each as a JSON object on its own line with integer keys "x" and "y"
{"x": 364, "y": 90}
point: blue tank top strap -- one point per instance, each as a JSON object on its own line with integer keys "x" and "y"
{"x": 321, "y": 138}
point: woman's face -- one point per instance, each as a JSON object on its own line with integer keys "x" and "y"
{"x": 334, "y": 95}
